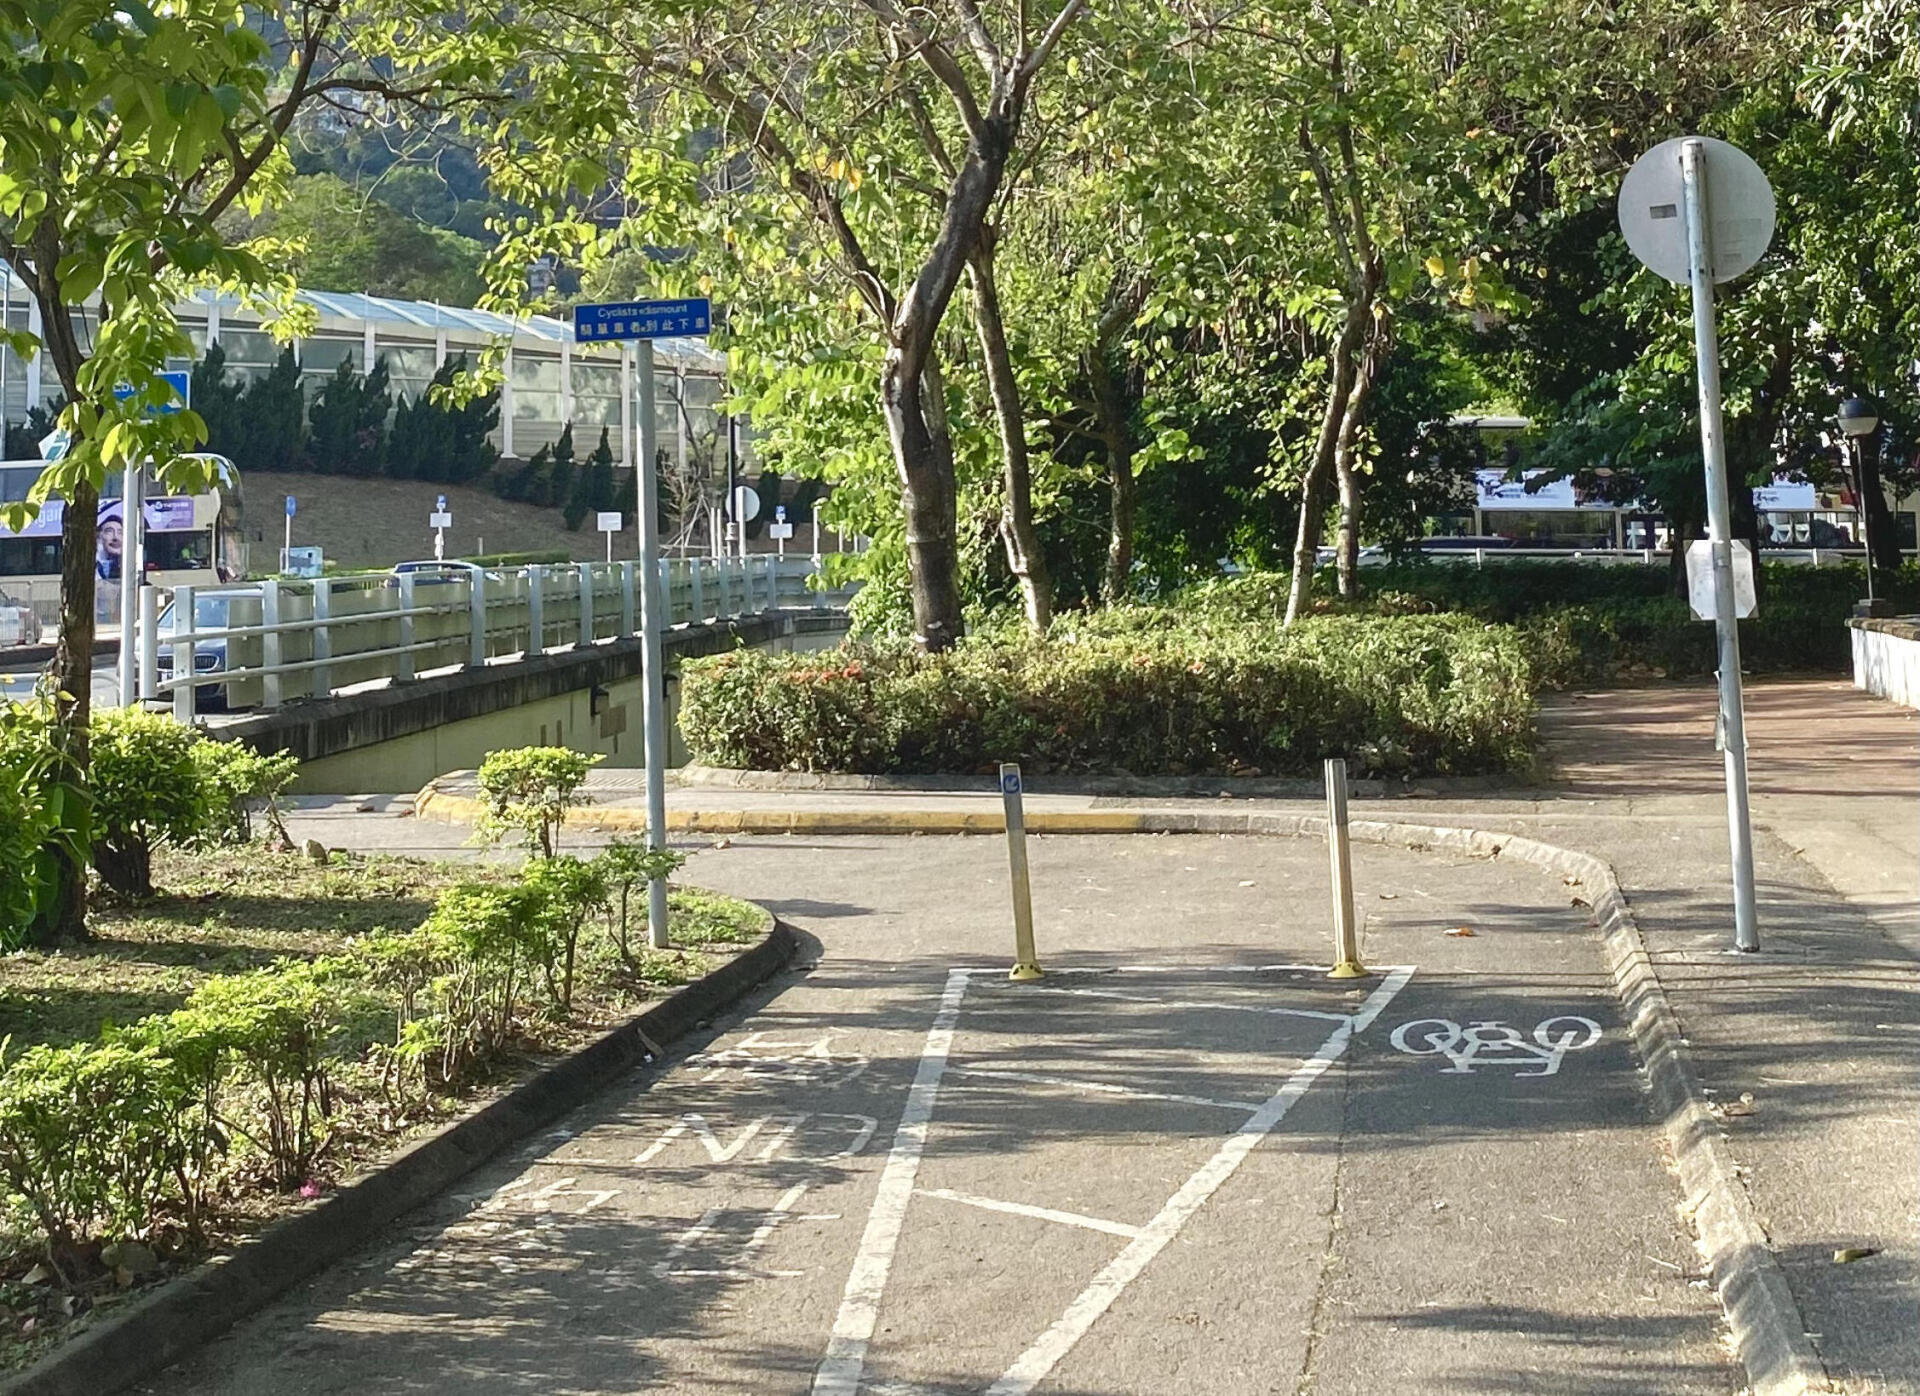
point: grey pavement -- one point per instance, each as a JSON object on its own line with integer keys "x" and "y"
{"x": 1811, "y": 1047}
{"x": 1184, "y": 1161}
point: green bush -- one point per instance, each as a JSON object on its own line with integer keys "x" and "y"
{"x": 239, "y": 782}
{"x": 91, "y": 1139}
{"x": 42, "y": 821}
{"x": 529, "y": 790}
{"x": 1139, "y": 690}
{"x": 627, "y": 865}
{"x": 148, "y": 790}
{"x": 281, "y": 1027}
{"x": 566, "y": 893}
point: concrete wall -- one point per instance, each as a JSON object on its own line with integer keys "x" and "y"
{"x": 1886, "y": 659}
{"x": 395, "y": 739}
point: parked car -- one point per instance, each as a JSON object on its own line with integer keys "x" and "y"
{"x": 211, "y": 611}
{"x": 435, "y": 573}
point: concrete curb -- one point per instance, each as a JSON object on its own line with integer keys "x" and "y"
{"x": 1768, "y": 1331}
{"x": 1122, "y": 786}
{"x": 182, "y": 1315}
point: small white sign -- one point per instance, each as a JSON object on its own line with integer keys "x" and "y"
{"x": 1700, "y": 579}
{"x": 1784, "y": 496}
{"x": 1494, "y": 490}
{"x": 438, "y": 519}
{"x": 746, "y": 504}
{"x": 607, "y": 522}
{"x": 779, "y": 531}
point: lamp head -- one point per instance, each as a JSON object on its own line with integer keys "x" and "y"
{"x": 1857, "y": 417}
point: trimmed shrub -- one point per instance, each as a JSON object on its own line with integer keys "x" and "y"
{"x": 148, "y": 790}
{"x": 42, "y": 821}
{"x": 628, "y": 865}
{"x": 565, "y": 893}
{"x": 241, "y": 782}
{"x": 282, "y": 1027}
{"x": 529, "y": 790}
{"x": 91, "y": 1137}
{"x": 1143, "y": 692}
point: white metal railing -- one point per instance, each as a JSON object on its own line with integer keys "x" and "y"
{"x": 273, "y": 642}
{"x": 1645, "y": 557}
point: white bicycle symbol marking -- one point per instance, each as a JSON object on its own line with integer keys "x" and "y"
{"x": 1495, "y": 1044}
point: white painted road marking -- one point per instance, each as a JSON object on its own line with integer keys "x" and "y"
{"x": 1021, "y": 1209}
{"x": 1216, "y": 1006}
{"x": 1033, "y": 1365}
{"x": 839, "y": 1372}
{"x": 1492, "y": 1043}
{"x": 1244, "y": 1107}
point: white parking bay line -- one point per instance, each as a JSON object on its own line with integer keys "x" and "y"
{"x": 1216, "y": 1006}
{"x": 1244, "y": 1107}
{"x": 1033, "y": 1365}
{"x": 839, "y": 1372}
{"x": 1021, "y": 1209}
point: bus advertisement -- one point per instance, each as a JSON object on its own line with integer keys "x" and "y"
{"x": 192, "y": 540}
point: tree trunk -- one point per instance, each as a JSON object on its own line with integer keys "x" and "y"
{"x": 1883, "y": 535}
{"x": 1312, "y": 489}
{"x": 1110, "y": 414}
{"x": 1017, "y": 533}
{"x": 1347, "y": 544}
{"x": 916, "y": 412}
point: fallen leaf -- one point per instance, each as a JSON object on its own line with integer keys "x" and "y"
{"x": 1459, "y": 931}
{"x": 1389, "y": 896}
{"x": 1850, "y": 1254}
{"x": 39, "y": 1275}
{"x": 1246, "y": 884}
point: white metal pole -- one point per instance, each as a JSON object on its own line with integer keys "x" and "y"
{"x": 1733, "y": 727}
{"x": 1346, "y": 927}
{"x": 654, "y": 702}
{"x": 132, "y": 548}
{"x": 286, "y": 547}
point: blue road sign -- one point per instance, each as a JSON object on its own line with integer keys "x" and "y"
{"x": 641, "y": 320}
{"x": 439, "y": 504}
{"x": 290, "y": 506}
{"x": 175, "y": 378}
{"x": 1010, "y": 782}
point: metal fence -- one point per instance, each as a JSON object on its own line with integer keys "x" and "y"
{"x": 268, "y": 643}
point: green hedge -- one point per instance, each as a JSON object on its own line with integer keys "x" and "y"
{"x": 1135, "y": 690}
{"x": 1593, "y": 625}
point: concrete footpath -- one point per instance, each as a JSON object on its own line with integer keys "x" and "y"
{"x": 1809, "y": 1049}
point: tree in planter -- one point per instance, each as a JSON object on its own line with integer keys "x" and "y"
{"x": 128, "y": 132}
{"x": 529, "y": 791}
{"x": 347, "y": 423}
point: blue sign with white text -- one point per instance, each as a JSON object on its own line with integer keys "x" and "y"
{"x": 641, "y": 320}
{"x": 177, "y": 381}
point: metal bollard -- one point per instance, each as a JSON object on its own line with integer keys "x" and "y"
{"x": 628, "y": 609}
{"x": 476, "y": 621}
{"x": 1025, "y": 964}
{"x": 1346, "y": 930}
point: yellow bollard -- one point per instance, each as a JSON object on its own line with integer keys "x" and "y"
{"x": 1025, "y": 963}
{"x": 1346, "y": 931}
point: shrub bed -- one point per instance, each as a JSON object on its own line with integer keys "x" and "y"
{"x": 1593, "y": 625}
{"x": 125, "y": 1150}
{"x": 1139, "y": 690}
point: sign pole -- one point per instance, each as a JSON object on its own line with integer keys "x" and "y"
{"x": 133, "y": 518}
{"x": 654, "y": 702}
{"x": 1732, "y": 725}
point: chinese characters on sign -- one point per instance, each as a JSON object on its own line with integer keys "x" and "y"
{"x": 642, "y": 319}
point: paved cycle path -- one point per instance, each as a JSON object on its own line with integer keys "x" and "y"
{"x": 1185, "y": 1160}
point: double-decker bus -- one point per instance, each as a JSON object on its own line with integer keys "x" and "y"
{"x": 191, "y": 540}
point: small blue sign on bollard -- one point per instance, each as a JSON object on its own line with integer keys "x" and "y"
{"x": 642, "y": 319}
{"x": 1010, "y": 780}
{"x": 291, "y": 507}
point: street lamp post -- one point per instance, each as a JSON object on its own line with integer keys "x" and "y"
{"x": 1858, "y": 421}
